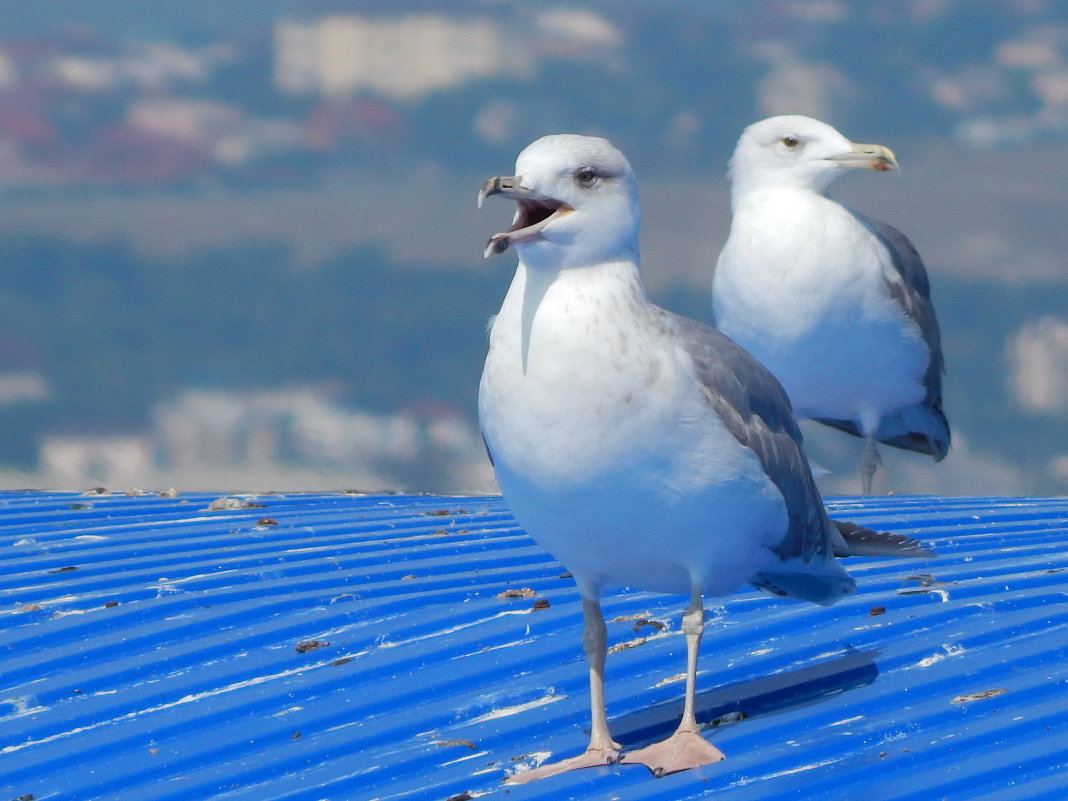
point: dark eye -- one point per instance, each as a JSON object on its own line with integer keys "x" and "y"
{"x": 790, "y": 141}
{"x": 585, "y": 176}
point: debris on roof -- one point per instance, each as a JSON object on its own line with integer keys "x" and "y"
{"x": 309, "y": 646}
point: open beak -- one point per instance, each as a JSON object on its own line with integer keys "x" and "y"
{"x": 873, "y": 157}
{"x": 534, "y": 211}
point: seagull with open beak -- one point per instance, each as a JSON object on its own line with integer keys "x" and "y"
{"x": 640, "y": 448}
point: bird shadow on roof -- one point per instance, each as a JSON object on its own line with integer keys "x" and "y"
{"x": 769, "y": 695}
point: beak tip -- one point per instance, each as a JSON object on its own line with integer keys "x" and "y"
{"x": 491, "y": 186}
{"x": 496, "y": 246}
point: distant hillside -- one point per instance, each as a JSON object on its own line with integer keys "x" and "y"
{"x": 114, "y": 335}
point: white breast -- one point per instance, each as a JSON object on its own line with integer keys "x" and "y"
{"x": 801, "y": 285}
{"x": 604, "y": 447}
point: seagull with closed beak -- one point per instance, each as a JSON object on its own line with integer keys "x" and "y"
{"x": 641, "y": 448}
{"x": 835, "y": 304}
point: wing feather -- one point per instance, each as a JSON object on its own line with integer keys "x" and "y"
{"x": 922, "y": 427}
{"x": 756, "y": 410}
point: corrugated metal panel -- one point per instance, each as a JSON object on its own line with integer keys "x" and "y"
{"x": 345, "y": 647}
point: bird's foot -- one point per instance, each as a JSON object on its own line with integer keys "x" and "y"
{"x": 683, "y": 750}
{"x": 595, "y": 756}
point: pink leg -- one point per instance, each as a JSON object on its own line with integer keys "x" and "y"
{"x": 602, "y": 750}
{"x": 686, "y": 748}
{"x": 869, "y": 463}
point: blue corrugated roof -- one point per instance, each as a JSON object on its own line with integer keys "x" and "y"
{"x": 359, "y": 647}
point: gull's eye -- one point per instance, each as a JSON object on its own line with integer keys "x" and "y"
{"x": 790, "y": 141}
{"x": 585, "y": 176}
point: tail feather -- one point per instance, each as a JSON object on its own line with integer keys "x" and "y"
{"x": 860, "y": 541}
{"x": 921, "y": 427}
{"x": 819, "y": 588}
{"x": 824, "y": 580}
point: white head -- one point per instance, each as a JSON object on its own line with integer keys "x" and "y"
{"x": 577, "y": 204}
{"x": 799, "y": 152}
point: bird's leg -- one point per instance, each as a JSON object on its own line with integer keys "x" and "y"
{"x": 686, "y": 748}
{"x": 602, "y": 750}
{"x": 870, "y": 461}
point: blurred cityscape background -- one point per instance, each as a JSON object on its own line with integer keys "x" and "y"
{"x": 239, "y": 246}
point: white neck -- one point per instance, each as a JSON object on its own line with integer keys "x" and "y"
{"x": 556, "y": 252}
{"x": 742, "y": 190}
{"x": 557, "y": 306}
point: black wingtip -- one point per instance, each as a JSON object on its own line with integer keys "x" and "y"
{"x": 862, "y": 541}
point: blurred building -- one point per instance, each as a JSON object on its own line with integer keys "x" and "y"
{"x": 297, "y": 438}
{"x": 397, "y": 57}
{"x": 79, "y": 461}
{"x": 23, "y": 385}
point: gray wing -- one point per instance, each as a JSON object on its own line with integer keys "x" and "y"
{"x": 756, "y": 410}
{"x": 912, "y": 290}
{"x": 923, "y": 427}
